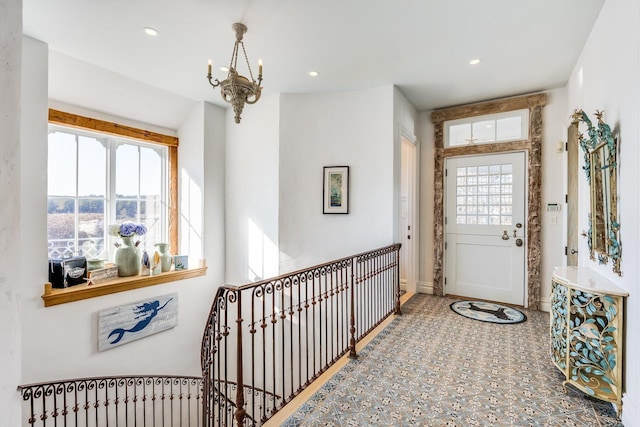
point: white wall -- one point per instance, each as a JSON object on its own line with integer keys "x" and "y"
{"x": 352, "y": 129}
{"x": 555, "y": 121}
{"x": 251, "y": 192}
{"x": 61, "y": 341}
{"x": 11, "y": 240}
{"x": 606, "y": 77}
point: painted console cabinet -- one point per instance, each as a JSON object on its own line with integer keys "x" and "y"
{"x": 587, "y": 332}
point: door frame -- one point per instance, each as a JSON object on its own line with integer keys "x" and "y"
{"x": 532, "y": 145}
{"x": 412, "y": 248}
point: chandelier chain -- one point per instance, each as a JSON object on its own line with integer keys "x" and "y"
{"x": 247, "y": 60}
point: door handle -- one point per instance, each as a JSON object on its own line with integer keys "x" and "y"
{"x": 519, "y": 242}
{"x": 409, "y": 237}
{"x": 505, "y": 236}
{"x": 573, "y": 252}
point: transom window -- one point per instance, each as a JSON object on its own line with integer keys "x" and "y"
{"x": 501, "y": 127}
{"x": 484, "y": 194}
{"x": 95, "y": 180}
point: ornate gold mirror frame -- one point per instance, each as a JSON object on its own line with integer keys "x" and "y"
{"x": 533, "y": 145}
{"x": 601, "y": 168}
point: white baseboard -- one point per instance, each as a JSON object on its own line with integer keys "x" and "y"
{"x": 545, "y": 304}
{"x": 425, "y": 288}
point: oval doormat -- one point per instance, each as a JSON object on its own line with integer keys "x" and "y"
{"x": 488, "y": 312}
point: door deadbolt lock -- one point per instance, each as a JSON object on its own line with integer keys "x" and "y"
{"x": 505, "y": 236}
{"x": 519, "y": 242}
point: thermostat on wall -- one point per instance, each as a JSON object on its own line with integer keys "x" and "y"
{"x": 553, "y": 207}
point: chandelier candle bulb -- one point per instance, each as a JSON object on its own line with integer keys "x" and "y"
{"x": 209, "y": 68}
{"x": 260, "y": 67}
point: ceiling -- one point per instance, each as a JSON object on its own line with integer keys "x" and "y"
{"x": 421, "y": 46}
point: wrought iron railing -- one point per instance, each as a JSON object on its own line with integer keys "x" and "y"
{"x": 276, "y": 336}
{"x": 114, "y": 401}
{"x": 263, "y": 344}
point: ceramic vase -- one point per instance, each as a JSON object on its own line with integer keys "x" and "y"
{"x": 165, "y": 256}
{"x": 127, "y": 258}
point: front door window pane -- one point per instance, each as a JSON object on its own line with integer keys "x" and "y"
{"x": 474, "y": 206}
{"x": 484, "y": 131}
{"x": 509, "y": 129}
{"x": 459, "y": 134}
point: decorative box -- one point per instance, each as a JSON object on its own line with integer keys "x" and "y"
{"x": 65, "y": 272}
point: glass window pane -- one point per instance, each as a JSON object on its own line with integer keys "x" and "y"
{"x": 151, "y": 178}
{"x": 127, "y": 171}
{"x": 461, "y": 171}
{"x": 509, "y": 129}
{"x": 507, "y": 178}
{"x": 92, "y": 167}
{"x": 126, "y": 210}
{"x": 61, "y": 226}
{"x": 484, "y": 131}
{"x": 483, "y": 170}
{"x": 150, "y": 216}
{"x": 61, "y": 176}
{"x": 91, "y": 227}
{"x": 472, "y": 170}
{"x": 505, "y": 220}
{"x": 460, "y": 134}
{"x": 461, "y": 219}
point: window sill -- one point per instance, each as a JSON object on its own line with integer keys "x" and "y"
{"x": 121, "y": 284}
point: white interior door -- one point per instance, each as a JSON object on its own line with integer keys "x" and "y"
{"x": 485, "y": 227}
{"x": 407, "y": 216}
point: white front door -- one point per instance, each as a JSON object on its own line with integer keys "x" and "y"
{"x": 485, "y": 227}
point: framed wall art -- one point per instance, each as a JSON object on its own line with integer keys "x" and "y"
{"x": 335, "y": 194}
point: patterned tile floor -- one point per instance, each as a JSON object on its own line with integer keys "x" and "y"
{"x": 432, "y": 367}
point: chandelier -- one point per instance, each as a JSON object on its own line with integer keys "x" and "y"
{"x": 236, "y": 89}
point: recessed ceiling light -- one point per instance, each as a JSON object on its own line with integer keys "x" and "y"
{"x": 475, "y": 61}
{"x": 151, "y": 31}
{"x": 313, "y": 73}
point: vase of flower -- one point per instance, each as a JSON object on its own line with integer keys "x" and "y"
{"x": 127, "y": 257}
{"x": 165, "y": 257}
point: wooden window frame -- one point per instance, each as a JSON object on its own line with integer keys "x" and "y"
{"x": 79, "y": 292}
